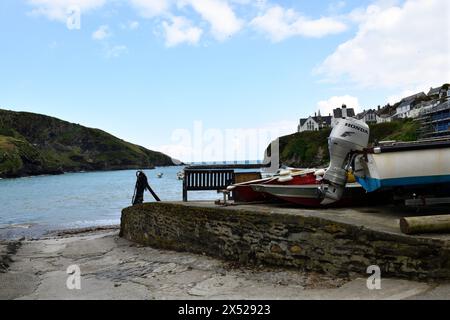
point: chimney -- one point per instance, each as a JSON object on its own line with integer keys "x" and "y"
{"x": 315, "y": 114}
{"x": 344, "y": 106}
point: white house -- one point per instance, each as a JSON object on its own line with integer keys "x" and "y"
{"x": 314, "y": 123}
{"x": 308, "y": 124}
{"x": 440, "y": 92}
{"x": 384, "y": 118}
{"x": 406, "y": 104}
{"x": 368, "y": 116}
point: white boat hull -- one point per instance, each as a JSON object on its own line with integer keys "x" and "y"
{"x": 403, "y": 168}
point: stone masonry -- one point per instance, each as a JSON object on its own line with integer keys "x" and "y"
{"x": 288, "y": 238}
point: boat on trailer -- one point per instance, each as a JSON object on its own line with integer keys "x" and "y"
{"x": 311, "y": 195}
{"x": 244, "y": 192}
{"x": 412, "y": 172}
{"x": 403, "y": 170}
{"x": 300, "y": 187}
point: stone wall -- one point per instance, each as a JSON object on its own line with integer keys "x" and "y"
{"x": 300, "y": 241}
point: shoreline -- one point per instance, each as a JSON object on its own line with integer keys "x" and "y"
{"x": 63, "y": 233}
{"x": 44, "y": 174}
{"x": 38, "y": 204}
{"x": 34, "y": 232}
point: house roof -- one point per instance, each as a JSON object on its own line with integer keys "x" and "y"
{"x": 325, "y": 119}
{"x": 436, "y": 91}
{"x": 303, "y": 120}
{"x": 388, "y": 110}
{"x": 409, "y": 100}
{"x": 413, "y": 97}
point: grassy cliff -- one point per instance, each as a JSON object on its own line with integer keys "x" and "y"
{"x": 310, "y": 148}
{"x": 32, "y": 144}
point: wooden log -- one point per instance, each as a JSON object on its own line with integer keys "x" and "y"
{"x": 425, "y": 224}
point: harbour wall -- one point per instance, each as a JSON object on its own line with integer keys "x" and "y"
{"x": 289, "y": 238}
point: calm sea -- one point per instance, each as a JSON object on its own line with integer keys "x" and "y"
{"x": 31, "y": 206}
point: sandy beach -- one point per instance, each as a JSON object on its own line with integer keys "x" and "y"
{"x": 114, "y": 268}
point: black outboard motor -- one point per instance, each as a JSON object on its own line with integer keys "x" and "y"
{"x": 141, "y": 186}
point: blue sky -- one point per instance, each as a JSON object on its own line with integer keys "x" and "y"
{"x": 141, "y": 69}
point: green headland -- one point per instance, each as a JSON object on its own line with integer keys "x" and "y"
{"x": 34, "y": 144}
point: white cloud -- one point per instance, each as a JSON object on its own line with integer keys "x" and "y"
{"x": 401, "y": 47}
{"x": 326, "y": 106}
{"x": 101, "y": 33}
{"x": 151, "y": 8}
{"x": 132, "y": 25}
{"x": 110, "y": 50}
{"x": 280, "y": 23}
{"x": 57, "y": 9}
{"x": 116, "y": 51}
{"x": 219, "y": 14}
{"x": 181, "y": 31}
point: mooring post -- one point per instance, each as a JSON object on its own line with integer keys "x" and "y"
{"x": 141, "y": 186}
{"x": 185, "y": 191}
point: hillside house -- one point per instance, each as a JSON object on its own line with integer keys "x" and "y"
{"x": 315, "y": 123}
{"x": 383, "y": 118}
{"x": 441, "y": 92}
{"x": 368, "y": 116}
{"x": 408, "y": 103}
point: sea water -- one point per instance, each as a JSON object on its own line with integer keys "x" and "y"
{"x": 35, "y": 205}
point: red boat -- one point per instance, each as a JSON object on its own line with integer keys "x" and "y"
{"x": 311, "y": 195}
{"x": 244, "y": 192}
{"x": 304, "y": 188}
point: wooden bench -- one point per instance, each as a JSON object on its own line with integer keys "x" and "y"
{"x": 206, "y": 180}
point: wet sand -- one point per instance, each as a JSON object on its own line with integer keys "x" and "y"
{"x": 114, "y": 268}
